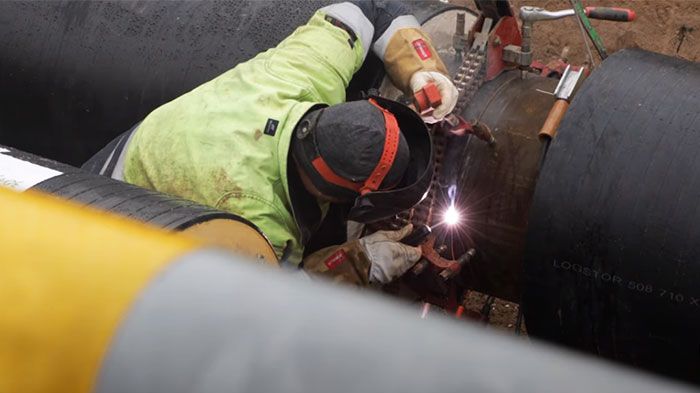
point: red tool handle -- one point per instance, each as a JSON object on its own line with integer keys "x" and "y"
{"x": 611, "y": 13}
{"x": 427, "y": 97}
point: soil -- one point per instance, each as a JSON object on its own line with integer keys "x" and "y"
{"x": 671, "y": 27}
{"x": 495, "y": 313}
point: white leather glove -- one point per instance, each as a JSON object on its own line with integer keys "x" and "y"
{"x": 389, "y": 258}
{"x": 354, "y": 230}
{"x": 448, "y": 91}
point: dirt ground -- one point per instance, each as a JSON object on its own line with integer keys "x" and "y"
{"x": 494, "y": 312}
{"x": 671, "y": 27}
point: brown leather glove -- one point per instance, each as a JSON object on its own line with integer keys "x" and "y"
{"x": 409, "y": 51}
{"x": 377, "y": 258}
{"x": 346, "y": 263}
{"x": 411, "y": 62}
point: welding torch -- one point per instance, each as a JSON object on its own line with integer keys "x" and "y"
{"x": 418, "y": 236}
{"x": 422, "y": 231}
{"x": 452, "y": 216}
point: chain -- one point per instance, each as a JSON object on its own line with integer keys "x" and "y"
{"x": 468, "y": 78}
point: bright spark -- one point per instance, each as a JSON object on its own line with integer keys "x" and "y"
{"x": 452, "y": 216}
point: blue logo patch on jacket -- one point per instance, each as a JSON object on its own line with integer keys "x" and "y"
{"x": 271, "y": 127}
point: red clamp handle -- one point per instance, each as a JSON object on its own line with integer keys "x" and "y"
{"x": 611, "y": 13}
{"x": 427, "y": 97}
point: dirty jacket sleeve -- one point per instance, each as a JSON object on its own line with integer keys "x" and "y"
{"x": 318, "y": 58}
{"x": 393, "y": 34}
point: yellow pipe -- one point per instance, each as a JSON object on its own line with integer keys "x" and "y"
{"x": 69, "y": 273}
{"x": 235, "y": 236}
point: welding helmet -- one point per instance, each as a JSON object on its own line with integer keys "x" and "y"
{"x": 376, "y": 152}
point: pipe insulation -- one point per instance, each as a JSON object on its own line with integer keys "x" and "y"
{"x": 23, "y": 171}
{"x": 612, "y": 263}
{"x": 149, "y": 311}
{"x": 75, "y": 74}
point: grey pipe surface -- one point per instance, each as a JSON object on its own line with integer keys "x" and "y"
{"x": 209, "y": 323}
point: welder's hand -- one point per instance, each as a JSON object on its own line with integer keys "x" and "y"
{"x": 389, "y": 259}
{"x": 448, "y": 91}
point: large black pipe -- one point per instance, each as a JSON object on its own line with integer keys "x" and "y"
{"x": 75, "y": 74}
{"x": 613, "y": 250}
{"x": 24, "y": 171}
{"x": 106, "y": 194}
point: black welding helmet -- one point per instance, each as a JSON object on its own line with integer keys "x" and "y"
{"x": 376, "y": 152}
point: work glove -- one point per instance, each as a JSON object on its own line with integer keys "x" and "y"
{"x": 377, "y": 258}
{"x": 411, "y": 61}
{"x": 389, "y": 259}
{"x": 448, "y": 91}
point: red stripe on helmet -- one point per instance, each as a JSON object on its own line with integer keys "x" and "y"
{"x": 391, "y": 146}
{"x": 328, "y": 175}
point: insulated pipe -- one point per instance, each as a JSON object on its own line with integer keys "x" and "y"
{"x": 613, "y": 251}
{"x": 96, "y": 303}
{"x": 23, "y": 171}
{"x": 75, "y": 74}
{"x": 68, "y": 276}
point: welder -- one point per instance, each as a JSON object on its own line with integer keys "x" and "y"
{"x": 272, "y": 139}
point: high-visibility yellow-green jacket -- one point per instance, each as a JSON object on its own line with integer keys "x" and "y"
{"x": 225, "y": 144}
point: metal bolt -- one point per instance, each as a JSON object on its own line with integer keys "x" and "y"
{"x": 304, "y": 130}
